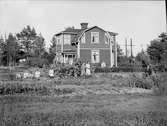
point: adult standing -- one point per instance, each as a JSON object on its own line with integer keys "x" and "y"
{"x": 88, "y": 69}
{"x": 83, "y": 69}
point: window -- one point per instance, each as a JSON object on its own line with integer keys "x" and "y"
{"x": 95, "y": 56}
{"x": 94, "y": 37}
{"x": 83, "y": 38}
{"x": 67, "y": 39}
{"x": 112, "y": 38}
{"x": 58, "y": 41}
{"x": 107, "y": 40}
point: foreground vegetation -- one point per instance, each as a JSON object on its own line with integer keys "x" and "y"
{"x": 32, "y": 102}
{"x": 82, "y": 118}
{"x": 80, "y": 111}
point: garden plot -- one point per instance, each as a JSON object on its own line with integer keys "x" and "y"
{"x": 103, "y": 90}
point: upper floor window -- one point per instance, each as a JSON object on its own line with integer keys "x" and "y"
{"x": 67, "y": 39}
{"x": 94, "y": 37}
{"x": 83, "y": 38}
{"x": 58, "y": 40}
{"x": 107, "y": 39}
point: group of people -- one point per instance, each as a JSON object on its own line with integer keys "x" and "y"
{"x": 86, "y": 69}
{"x": 28, "y": 74}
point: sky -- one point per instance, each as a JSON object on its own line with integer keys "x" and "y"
{"x": 142, "y": 21}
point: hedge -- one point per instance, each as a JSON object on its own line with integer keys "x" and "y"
{"x": 119, "y": 69}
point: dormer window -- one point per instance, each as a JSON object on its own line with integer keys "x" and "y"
{"x": 94, "y": 37}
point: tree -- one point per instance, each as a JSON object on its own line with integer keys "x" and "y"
{"x": 158, "y": 50}
{"x": 69, "y": 28}
{"x": 9, "y": 50}
{"x": 119, "y": 53}
{"x": 52, "y": 50}
{"x": 155, "y": 50}
{"x": 2, "y": 51}
{"x": 27, "y": 37}
{"x": 39, "y": 46}
{"x": 53, "y": 45}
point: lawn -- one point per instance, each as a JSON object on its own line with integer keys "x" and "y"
{"x": 101, "y": 100}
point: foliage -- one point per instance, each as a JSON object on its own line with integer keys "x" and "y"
{"x": 10, "y": 50}
{"x": 127, "y": 68}
{"x": 26, "y": 38}
{"x": 69, "y": 28}
{"x": 17, "y": 87}
{"x": 161, "y": 87}
{"x": 70, "y": 71}
{"x": 36, "y": 62}
{"x": 158, "y": 50}
{"x": 85, "y": 117}
{"x": 32, "y": 44}
{"x": 52, "y": 48}
{"x": 143, "y": 58}
{"x": 39, "y": 46}
{"x": 119, "y": 53}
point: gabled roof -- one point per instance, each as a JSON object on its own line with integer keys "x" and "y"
{"x": 111, "y": 33}
{"x": 70, "y": 31}
{"x": 80, "y": 32}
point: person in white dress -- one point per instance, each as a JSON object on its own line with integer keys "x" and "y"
{"x": 51, "y": 73}
{"x": 103, "y": 64}
{"x": 37, "y": 74}
{"x": 88, "y": 69}
{"x": 83, "y": 69}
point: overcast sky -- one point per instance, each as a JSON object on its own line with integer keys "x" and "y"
{"x": 140, "y": 20}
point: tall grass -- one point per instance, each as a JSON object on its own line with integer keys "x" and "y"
{"x": 86, "y": 118}
{"x": 161, "y": 87}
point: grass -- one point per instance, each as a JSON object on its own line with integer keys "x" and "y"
{"x": 74, "y": 116}
{"x": 20, "y": 109}
{"x": 90, "y": 110}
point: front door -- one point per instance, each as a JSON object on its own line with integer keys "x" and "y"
{"x": 95, "y": 56}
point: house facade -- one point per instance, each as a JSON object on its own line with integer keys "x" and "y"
{"x": 93, "y": 44}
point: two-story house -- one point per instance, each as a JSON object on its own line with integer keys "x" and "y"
{"x": 93, "y": 44}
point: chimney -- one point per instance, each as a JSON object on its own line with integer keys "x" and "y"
{"x": 84, "y": 25}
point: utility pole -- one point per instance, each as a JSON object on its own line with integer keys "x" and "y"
{"x": 166, "y": 13}
{"x": 131, "y": 47}
{"x": 126, "y": 53}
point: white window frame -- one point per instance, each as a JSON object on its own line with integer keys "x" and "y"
{"x": 92, "y": 56}
{"x": 83, "y": 38}
{"x": 67, "y": 39}
{"x": 94, "y": 34}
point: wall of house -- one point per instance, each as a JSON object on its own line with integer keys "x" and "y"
{"x": 105, "y": 56}
{"x": 85, "y": 55}
{"x": 88, "y": 43}
{"x": 65, "y": 46}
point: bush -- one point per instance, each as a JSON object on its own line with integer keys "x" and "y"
{"x": 36, "y": 61}
{"x": 146, "y": 83}
{"x": 119, "y": 69}
{"x": 69, "y": 70}
{"x": 161, "y": 85}
{"x": 10, "y": 88}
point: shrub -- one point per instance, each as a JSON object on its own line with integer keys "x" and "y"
{"x": 36, "y": 61}
{"x": 119, "y": 69}
{"x": 160, "y": 84}
{"x": 141, "y": 82}
{"x": 10, "y": 88}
